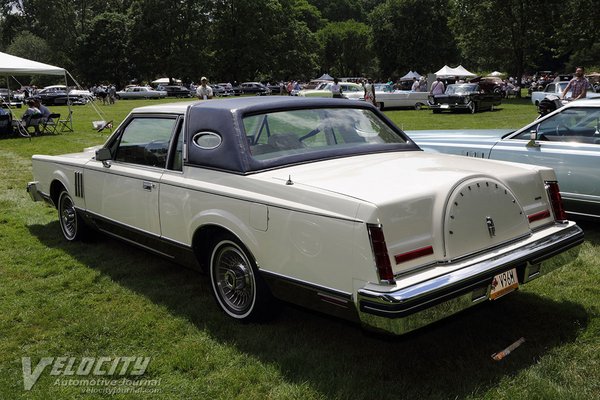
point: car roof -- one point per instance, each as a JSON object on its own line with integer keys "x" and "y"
{"x": 249, "y": 104}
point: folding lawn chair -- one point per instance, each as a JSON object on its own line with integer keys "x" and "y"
{"x": 51, "y": 123}
{"x": 66, "y": 125}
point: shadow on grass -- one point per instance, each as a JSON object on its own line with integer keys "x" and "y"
{"x": 450, "y": 359}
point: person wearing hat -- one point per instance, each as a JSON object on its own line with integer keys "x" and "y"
{"x": 204, "y": 92}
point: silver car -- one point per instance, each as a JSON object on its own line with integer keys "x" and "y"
{"x": 567, "y": 140}
{"x": 141, "y": 92}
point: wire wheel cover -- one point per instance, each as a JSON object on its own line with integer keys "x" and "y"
{"x": 234, "y": 279}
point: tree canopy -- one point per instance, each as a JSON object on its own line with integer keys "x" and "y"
{"x": 122, "y": 40}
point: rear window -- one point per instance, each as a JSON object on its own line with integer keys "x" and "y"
{"x": 279, "y": 134}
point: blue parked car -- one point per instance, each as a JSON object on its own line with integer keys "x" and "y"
{"x": 567, "y": 140}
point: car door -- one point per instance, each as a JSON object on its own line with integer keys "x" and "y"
{"x": 123, "y": 193}
{"x": 568, "y": 142}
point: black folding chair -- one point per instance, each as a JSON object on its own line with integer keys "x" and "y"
{"x": 5, "y": 124}
{"x": 51, "y": 123}
{"x": 66, "y": 125}
{"x": 30, "y": 121}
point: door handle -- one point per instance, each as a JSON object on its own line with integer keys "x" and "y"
{"x": 147, "y": 185}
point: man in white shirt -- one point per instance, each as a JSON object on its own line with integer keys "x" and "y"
{"x": 415, "y": 85}
{"x": 204, "y": 92}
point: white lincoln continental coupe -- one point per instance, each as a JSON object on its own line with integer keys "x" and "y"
{"x": 319, "y": 202}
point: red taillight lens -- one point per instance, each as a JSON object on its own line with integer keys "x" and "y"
{"x": 538, "y": 216}
{"x": 411, "y": 255}
{"x": 382, "y": 259}
{"x": 556, "y": 201}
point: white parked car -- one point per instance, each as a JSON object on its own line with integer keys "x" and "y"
{"x": 141, "y": 92}
{"x": 556, "y": 88}
{"x": 387, "y": 97}
{"x": 320, "y": 202}
{"x": 349, "y": 90}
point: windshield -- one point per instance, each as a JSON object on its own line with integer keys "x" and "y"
{"x": 461, "y": 89}
{"x": 296, "y": 132}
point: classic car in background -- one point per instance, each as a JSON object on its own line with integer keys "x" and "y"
{"x": 177, "y": 91}
{"x": 233, "y": 90}
{"x": 567, "y": 140}
{"x": 464, "y": 96}
{"x": 141, "y": 92}
{"x": 301, "y": 199}
{"x": 9, "y": 98}
{"x": 556, "y": 88}
{"x": 57, "y": 95}
{"x": 256, "y": 88}
{"x": 387, "y": 97}
{"x": 349, "y": 90}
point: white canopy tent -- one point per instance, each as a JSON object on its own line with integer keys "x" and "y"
{"x": 410, "y": 75}
{"x": 462, "y": 71}
{"x": 12, "y": 65}
{"x": 446, "y": 72}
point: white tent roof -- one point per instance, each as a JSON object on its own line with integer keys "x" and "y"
{"x": 410, "y": 75}
{"x": 325, "y": 77}
{"x": 13, "y": 65}
{"x": 462, "y": 71}
{"x": 458, "y": 71}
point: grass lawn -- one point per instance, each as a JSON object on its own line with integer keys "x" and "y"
{"x": 103, "y": 298}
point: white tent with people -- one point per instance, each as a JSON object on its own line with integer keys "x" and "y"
{"x": 11, "y": 66}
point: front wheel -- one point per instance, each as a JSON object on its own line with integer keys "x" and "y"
{"x": 237, "y": 286}
{"x": 419, "y": 106}
{"x": 473, "y": 107}
{"x": 71, "y": 225}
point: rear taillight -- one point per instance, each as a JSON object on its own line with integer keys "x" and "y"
{"x": 556, "y": 201}
{"x": 382, "y": 259}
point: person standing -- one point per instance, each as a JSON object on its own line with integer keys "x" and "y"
{"x": 415, "y": 85}
{"x": 437, "y": 87}
{"x": 578, "y": 86}
{"x": 204, "y": 92}
{"x": 336, "y": 89}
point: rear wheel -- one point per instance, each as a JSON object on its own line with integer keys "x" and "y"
{"x": 418, "y": 106}
{"x": 71, "y": 225}
{"x": 236, "y": 283}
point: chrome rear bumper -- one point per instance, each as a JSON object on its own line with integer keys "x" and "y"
{"x": 410, "y": 308}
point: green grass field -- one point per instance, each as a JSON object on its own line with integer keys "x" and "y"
{"x": 103, "y": 298}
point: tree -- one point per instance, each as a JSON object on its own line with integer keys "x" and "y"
{"x": 103, "y": 52}
{"x": 263, "y": 39}
{"x": 170, "y": 38}
{"x": 346, "y": 48}
{"x": 504, "y": 34}
{"x": 30, "y": 46}
{"x": 412, "y": 35}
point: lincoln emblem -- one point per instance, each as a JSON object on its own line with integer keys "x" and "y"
{"x": 490, "y": 225}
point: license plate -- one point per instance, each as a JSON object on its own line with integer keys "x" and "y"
{"x": 445, "y": 106}
{"x": 504, "y": 283}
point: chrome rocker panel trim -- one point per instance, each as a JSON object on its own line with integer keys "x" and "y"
{"x": 410, "y": 308}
